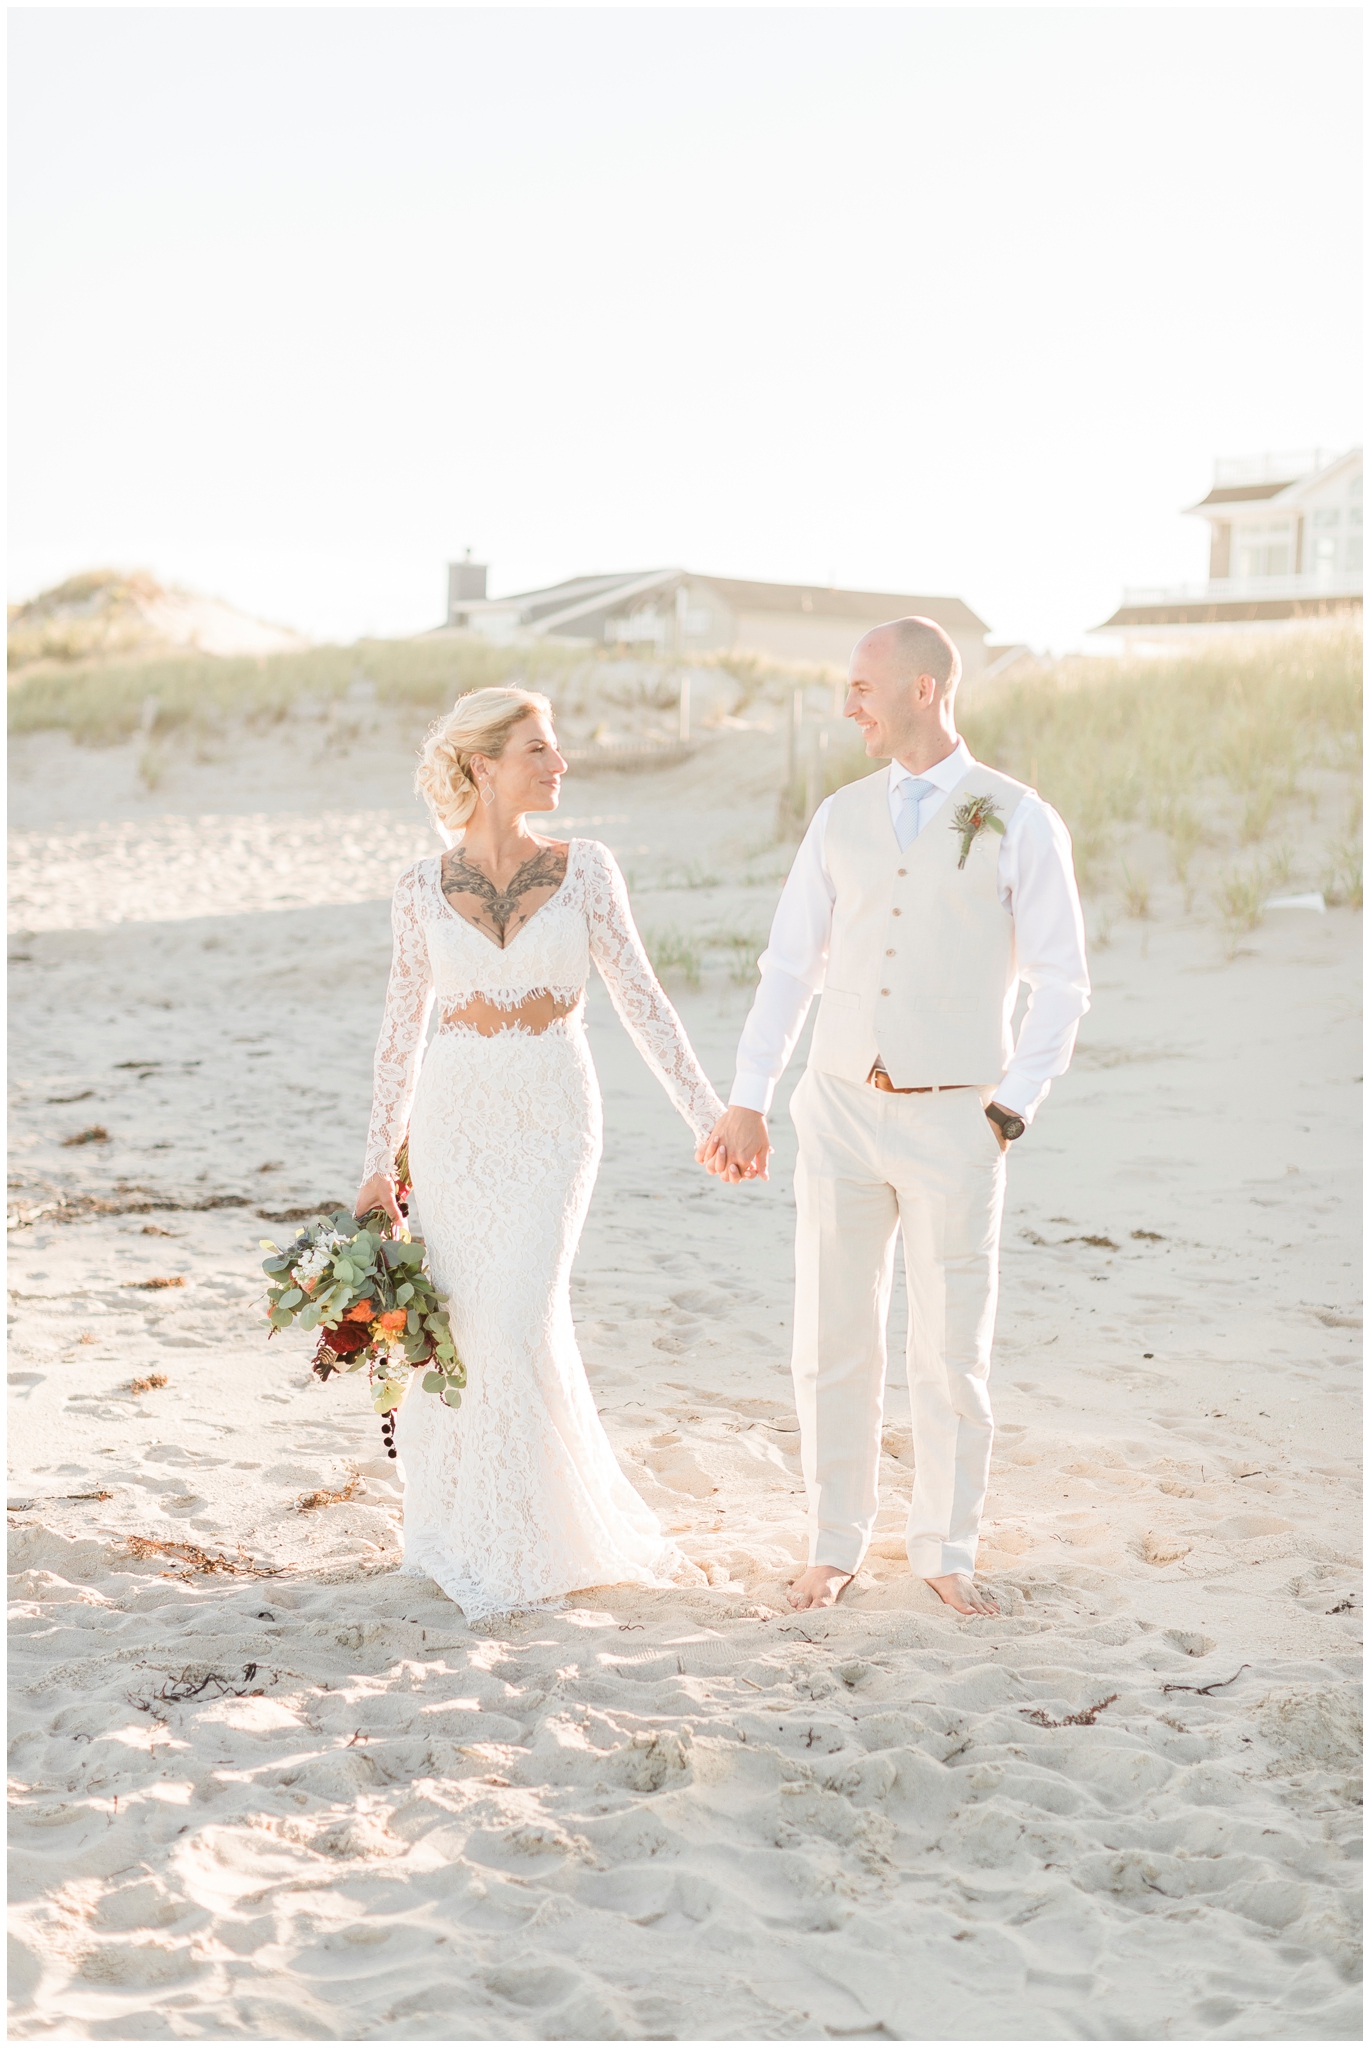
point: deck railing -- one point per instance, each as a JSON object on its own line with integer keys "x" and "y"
{"x": 1280, "y": 466}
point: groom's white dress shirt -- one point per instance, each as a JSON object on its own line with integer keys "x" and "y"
{"x": 1036, "y": 883}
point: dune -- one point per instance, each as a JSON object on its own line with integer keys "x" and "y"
{"x": 265, "y": 1787}
{"x": 104, "y": 613}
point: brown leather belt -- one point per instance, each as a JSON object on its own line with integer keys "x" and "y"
{"x": 878, "y": 1078}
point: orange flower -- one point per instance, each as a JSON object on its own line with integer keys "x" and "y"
{"x": 394, "y": 1319}
{"x": 360, "y": 1312}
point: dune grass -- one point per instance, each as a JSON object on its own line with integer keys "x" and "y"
{"x": 1233, "y": 726}
{"x": 102, "y": 703}
{"x": 1215, "y": 751}
{"x": 676, "y": 956}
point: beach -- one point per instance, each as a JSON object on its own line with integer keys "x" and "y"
{"x": 265, "y": 1787}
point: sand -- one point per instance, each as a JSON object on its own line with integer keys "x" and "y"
{"x": 296, "y": 1796}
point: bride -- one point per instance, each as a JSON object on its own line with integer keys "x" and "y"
{"x": 515, "y": 1498}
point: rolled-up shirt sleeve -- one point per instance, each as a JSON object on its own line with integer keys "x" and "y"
{"x": 1037, "y": 884}
{"x": 792, "y": 971}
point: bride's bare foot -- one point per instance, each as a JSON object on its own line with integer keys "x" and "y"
{"x": 819, "y": 1586}
{"x": 960, "y": 1591}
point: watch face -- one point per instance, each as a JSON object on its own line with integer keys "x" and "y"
{"x": 1013, "y": 1127}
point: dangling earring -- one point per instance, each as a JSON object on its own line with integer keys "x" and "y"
{"x": 487, "y": 795}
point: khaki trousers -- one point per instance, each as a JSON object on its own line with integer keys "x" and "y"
{"x": 868, "y": 1163}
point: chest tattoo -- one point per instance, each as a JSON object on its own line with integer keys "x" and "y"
{"x": 502, "y": 912}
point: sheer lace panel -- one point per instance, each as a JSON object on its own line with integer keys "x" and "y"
{"x": 408, "y": 1001}
{"x": 437, "y": 951}
{"x": 637, "y": 995}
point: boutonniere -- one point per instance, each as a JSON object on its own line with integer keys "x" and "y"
{"x": 971, "y": 818}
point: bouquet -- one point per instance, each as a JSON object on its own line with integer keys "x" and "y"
{"x": 369, "y": 1296}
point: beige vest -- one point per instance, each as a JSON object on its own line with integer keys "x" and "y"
{"x": 922, "y": 968}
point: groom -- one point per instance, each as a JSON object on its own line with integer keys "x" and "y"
{"x": 918, "y": 900}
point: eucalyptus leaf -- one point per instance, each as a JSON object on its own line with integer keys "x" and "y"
{"x": 451, "y": 1397}
{"x": 433, "y": 1383}
{"x": 292, "y": 1297}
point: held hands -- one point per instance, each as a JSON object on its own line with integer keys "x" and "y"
{"x": 378, "y": 1193}
{"x": 737, "y": 1148}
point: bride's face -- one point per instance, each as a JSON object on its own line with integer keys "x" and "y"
{"x": 527, "y": 775}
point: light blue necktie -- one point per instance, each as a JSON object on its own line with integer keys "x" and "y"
{"x": 915, "y": 789}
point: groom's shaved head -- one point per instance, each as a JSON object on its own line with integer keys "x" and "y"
{"x": 901, "y": 690}
{"x": 921, "y": 648}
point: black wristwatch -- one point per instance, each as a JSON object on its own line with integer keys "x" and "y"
{"x": 1012, "y": 1126}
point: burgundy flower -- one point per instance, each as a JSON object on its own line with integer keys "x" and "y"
{"x": 348, "y": 1339}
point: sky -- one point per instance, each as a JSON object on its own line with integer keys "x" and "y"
{"x": 307, "y": 301}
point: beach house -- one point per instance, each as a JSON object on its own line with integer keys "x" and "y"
{"x": 677, "y": 612}
{"x": 1284, "y": 545}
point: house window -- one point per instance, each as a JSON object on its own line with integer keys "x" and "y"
{"x": 1324, "y": 564}
{"x": 1263, "y": 550}
{"x": 637, "y": 626}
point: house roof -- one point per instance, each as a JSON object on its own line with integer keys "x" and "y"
{"x": 1242, "y": 494}
{"x": 561, "y": 603}
{"x": 1232, "y": 612}
{"x": 1291, "y": 491}
{"x": 843, "y": 604}
{"x": 603, "y": 592}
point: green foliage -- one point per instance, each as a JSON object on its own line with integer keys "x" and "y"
{"x": 1098, "y": 737}
{"x": 1257, "y": 812}
{"x": 1184, "y": 833}
{"x": 763, "y": 676}
{"x": 333, "y": 1265}
{"x": 675, "y": 955}
{"x": 103, "y": 702}
{"x": 1136, "y": 893}
{"x": 971, "y": 818}
{"x": 94, "y": 616}
{"x": 741, "y": 950}
{"x": 1241, "y": 898}
{"x": 1343, "y": 882}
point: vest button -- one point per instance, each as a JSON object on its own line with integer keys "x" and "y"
{"x": 898, "y": 912}
{"x": 903, "y": 871}
{"x": 884, "y": 991}
{"x": 889, "y": 952}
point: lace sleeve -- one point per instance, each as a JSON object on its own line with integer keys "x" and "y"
{"x": 638, "y": 996}
{"x": 408, "y": 1001}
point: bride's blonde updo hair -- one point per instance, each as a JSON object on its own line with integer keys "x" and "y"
{"x": 478, "y": 723}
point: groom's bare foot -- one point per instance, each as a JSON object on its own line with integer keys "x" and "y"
{"x": 960, "y": 1591}
{"x": 819, "y": 1586}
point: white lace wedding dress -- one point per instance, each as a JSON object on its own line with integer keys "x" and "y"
{"x": 515, "y": 1499}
